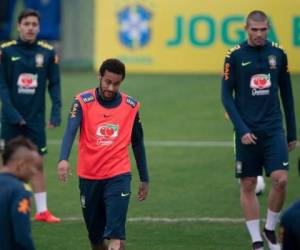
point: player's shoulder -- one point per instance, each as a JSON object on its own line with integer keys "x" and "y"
{"x": 12, "y": 181}
{"x": 86, "y": 96}
{"x": 233, "y": 50}
{"x": 278, "y": 46}
{"x": 45, "y": 45}
{"x": 8, "y": 44}
{"x": 130, "y": 100}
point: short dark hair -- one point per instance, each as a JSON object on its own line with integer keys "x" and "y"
{"x": 258, "y": 16}
{"x": 28, "y": 12}
{"x": 113, "y": 65}
{"x": 14, "y": 144}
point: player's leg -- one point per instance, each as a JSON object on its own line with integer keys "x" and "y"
{"x": 250, "y": 207}
{"x": 93, "y": 210}
{"x": 276, "y": 158}
{"x": 248, "y": 167}
{"x": 117, "y": 196}
{"x": 38, "y": 136}
{"x": 248, "y": 198}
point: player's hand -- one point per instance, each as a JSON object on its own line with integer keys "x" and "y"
{"x": 63, "y": 170}
{"x": 292, "y": 145}
{"x": 249, "y": 138}
{"x": 143, "y": 191}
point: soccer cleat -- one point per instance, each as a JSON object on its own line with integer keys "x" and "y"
{"x": 258, "y": 245}
{"x": 270, "y": 238}
{"x": 47, "y": 217}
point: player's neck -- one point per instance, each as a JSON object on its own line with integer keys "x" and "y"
{"x": 7, "y": 170}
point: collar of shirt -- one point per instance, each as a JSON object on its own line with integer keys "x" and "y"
{"x": 111, "y": 103}
{"x": 25, "y": 43}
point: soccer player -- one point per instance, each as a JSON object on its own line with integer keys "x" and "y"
{"x": 20, "y": 159}
{"x": 109, "y": 121}
{"x": 255, "y": 71}
{"x": 290, "y": 227}
{"x": 25, "y": 67}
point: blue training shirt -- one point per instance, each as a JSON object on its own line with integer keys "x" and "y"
{"x": 15, "y": 230}
{"x": 27, "y": 70}
{"x": 252, "y": 79}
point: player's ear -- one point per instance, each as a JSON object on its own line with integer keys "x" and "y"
{"x": 19, "y": 164}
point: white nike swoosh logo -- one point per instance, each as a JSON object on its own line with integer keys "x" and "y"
{"x": 245, "y": 63}
{"x": 15, "y": 58}
{"x": 124, "y": 194}
{"x": 285, "y": 163}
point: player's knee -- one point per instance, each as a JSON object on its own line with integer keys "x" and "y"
{"x": 248, "y": 185}
{"x": 279, "y": 179}
{"x": 280, "y": 183}
{"x": 115, "y": 244}
{"x": 122, "y": 245}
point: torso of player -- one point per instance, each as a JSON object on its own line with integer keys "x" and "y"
{"x": 105, "y": 135}
{"x": 26, "y": 73}
{"x": 28, "y": 65}
{"x": 257, "y": 75}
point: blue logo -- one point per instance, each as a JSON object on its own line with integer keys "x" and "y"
{"x": 134, "y": 24}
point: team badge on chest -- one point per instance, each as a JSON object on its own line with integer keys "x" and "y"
{"x": 272, "y": 61}
{"x": 39, "y": 60}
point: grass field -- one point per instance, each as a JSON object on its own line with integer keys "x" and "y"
{"x": 194, "y": 197}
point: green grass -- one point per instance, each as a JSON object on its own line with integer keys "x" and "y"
{"x": 186, "y": 182}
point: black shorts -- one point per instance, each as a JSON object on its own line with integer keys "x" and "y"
{"x": 104, "y": 206}
{"x": 36, "y": 133}
{"x": 270, "y": 152}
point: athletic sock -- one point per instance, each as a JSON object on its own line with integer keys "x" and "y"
{"x": 40, "y": 202}
{"x": 272, "y": 220}
{"x": 254, "y": 230}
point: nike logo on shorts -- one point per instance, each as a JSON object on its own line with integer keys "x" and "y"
{"x": 124, "y": 194}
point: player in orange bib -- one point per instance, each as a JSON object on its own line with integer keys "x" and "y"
{"x": 109, "y": 122}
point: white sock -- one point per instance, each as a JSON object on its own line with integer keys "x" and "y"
{"x": 272, "y": 220}
{"x": 254, "y": 230}
{"x": 40, "y": 202}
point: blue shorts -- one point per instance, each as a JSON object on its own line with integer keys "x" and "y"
{"x": 270, "y": 152}
{"x": 104, "y": 206}
{"x": 35, "y": 133}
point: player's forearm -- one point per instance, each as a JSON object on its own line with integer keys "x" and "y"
{"x": 141, "y": 161}
{"x": 54, "y": 89}
{"x": 288, "y": 106}
{"x": 229, "y": 105}
{"x": 138, "y": 147}
{"x": 69, "y": 136}
{"x": 55, "y": 95}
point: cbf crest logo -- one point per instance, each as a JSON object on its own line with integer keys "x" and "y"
{"x": 272, "y": 61}
{"x": 39, "y": 60}
{"x": 134, "y": 26}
